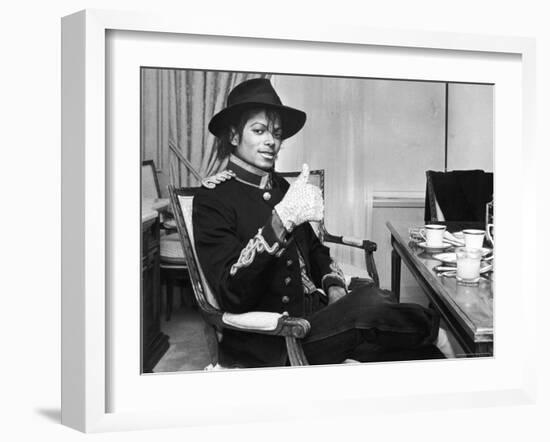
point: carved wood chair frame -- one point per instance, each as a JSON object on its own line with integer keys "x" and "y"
{"x": 290, "y": 328}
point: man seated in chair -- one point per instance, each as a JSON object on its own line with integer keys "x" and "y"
{"x": 259, "y": 252}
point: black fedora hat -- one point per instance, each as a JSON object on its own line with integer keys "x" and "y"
{"x": 256, "y": 93}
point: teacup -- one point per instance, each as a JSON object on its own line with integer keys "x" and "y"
{"x": 473, "y": 238}
{"x": 433, "y": 233}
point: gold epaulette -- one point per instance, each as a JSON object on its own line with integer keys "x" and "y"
{"x": 212, "y": 181}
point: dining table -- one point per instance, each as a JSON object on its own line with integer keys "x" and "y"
{"x": 466, "y": 309}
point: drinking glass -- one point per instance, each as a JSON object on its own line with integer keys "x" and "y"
{"x": 467, "y": 265}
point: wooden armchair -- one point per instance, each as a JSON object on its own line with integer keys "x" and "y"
{"x": 317, "y": 177}
{"x": 268, "y": 323}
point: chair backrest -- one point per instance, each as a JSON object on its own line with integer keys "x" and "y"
{"x": 432, "y": 211}
{"x": 150, "y": 188}
{"x": 317, "y": 178}
{"x": 182, "y": 205}
{"x": 460, "y": 194}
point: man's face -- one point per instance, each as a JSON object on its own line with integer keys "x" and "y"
{"x": 260, "y": 141}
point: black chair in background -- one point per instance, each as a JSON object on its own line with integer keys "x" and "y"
{"x": 458, "y": 196}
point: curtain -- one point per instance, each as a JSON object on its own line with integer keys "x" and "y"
{"x": 177, "y": 106}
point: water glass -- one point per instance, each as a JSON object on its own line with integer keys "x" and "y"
{"x": 468, "y": 262}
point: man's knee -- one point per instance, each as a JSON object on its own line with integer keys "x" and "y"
{"x": 373, "y": 294}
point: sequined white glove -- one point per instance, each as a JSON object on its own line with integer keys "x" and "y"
{"x": 303, "y": 202}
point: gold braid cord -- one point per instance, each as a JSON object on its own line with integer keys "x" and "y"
{"x": 256, "y": 245}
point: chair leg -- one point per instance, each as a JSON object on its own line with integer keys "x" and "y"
{"x": 371, "y": 268}
{"x": 212, "y": 343}
{"x": 169, "y": 297}
{"x": 396, "y": 274}
{"x": 296, "y": 355}
{"x": 187, "y": 296}
{"x": 184, "y": 296}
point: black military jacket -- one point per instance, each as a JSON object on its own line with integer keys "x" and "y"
{"x": 251, "y": 263}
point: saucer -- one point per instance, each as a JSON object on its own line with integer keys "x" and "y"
{"x": 450, "y": 257}
{"x": 485, "y": 251}
{"x": 434, "y": 249}
{"x": 446, "y": 258}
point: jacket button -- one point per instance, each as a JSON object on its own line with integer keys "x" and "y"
{"x": 289, "y": 262}
{"x": 266, "y": 196}
{"x": 285, "y": 299}
{"x": 288, "y": 280}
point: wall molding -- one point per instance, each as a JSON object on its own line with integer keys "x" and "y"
{"x": 396, "y": 199}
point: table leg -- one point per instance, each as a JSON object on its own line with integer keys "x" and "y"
{"x": 395, "y": 274}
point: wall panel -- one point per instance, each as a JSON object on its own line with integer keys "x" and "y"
{"x": 400, "y": 217}
{"x": 369, "y": 135}
{"x": 470, "y": 141}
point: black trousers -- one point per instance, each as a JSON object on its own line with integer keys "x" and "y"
{"x": 369, "y": 325}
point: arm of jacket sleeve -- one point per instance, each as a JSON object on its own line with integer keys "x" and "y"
{"x": 235, "y": 272}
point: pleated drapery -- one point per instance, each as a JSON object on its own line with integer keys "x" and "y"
{"x": 177, "y": 106}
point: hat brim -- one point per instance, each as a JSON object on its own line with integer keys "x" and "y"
{"x": 292, "y": 120}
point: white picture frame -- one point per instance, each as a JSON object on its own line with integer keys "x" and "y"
{"x": 87, "y": 207}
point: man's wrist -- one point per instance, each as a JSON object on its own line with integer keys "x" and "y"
{"x": 285, "y": 217}
{"x": 335, "y": 293}
{"x": 332, "y": 280}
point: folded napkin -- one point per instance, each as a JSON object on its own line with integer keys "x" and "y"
{"x": 451, "y": 239}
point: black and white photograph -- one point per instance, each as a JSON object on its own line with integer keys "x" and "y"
{"x": 261, "y": 221}
{"x": 300, "y": 220}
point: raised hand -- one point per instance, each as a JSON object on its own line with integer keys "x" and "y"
{"x": 303, "y": 202}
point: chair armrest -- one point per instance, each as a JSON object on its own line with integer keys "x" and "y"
{"x": 170, "y": 224}
{"x": 369, "y": 247}
{"x": 261, "y": 321}
{"x": 365, "y": 244}
{"x": 279, "y": 324}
